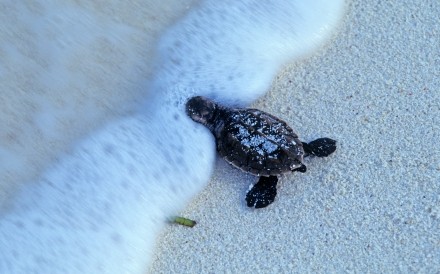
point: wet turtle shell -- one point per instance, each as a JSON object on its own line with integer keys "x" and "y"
{"x": 250, "y": 139}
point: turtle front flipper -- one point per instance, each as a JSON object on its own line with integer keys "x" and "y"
{"x": 321, "y": 147}
{"x": 263, "y": 192}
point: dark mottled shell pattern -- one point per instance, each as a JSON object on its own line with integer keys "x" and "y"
{"x": 257, "y": 142}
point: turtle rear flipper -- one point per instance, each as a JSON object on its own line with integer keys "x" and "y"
{"x": 263, "y": 192}
{"x": 321, "y": 147}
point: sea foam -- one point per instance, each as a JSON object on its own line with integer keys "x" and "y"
{"x": 100, "y": 207}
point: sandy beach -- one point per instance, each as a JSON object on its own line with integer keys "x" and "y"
{"x": 373, "y": 206}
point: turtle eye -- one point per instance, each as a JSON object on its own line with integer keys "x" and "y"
{"x": 205, "y": 114}
{"x": 202, "y": 116}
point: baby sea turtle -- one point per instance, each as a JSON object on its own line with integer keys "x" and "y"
{"x": 258, "y": 143}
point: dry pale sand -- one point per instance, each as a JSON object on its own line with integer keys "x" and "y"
{"x": 372, "y": 206}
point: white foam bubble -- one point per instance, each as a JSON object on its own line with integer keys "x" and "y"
{"x": 99, "y": 209}
{"x": 232, "y": 50}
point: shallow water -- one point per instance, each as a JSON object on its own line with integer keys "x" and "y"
{"x": 100, "y": 205}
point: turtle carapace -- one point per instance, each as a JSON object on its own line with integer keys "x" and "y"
{"x": 256, "y": 142}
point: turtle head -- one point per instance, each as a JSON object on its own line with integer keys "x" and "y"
{"x": 201, "y": 110}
